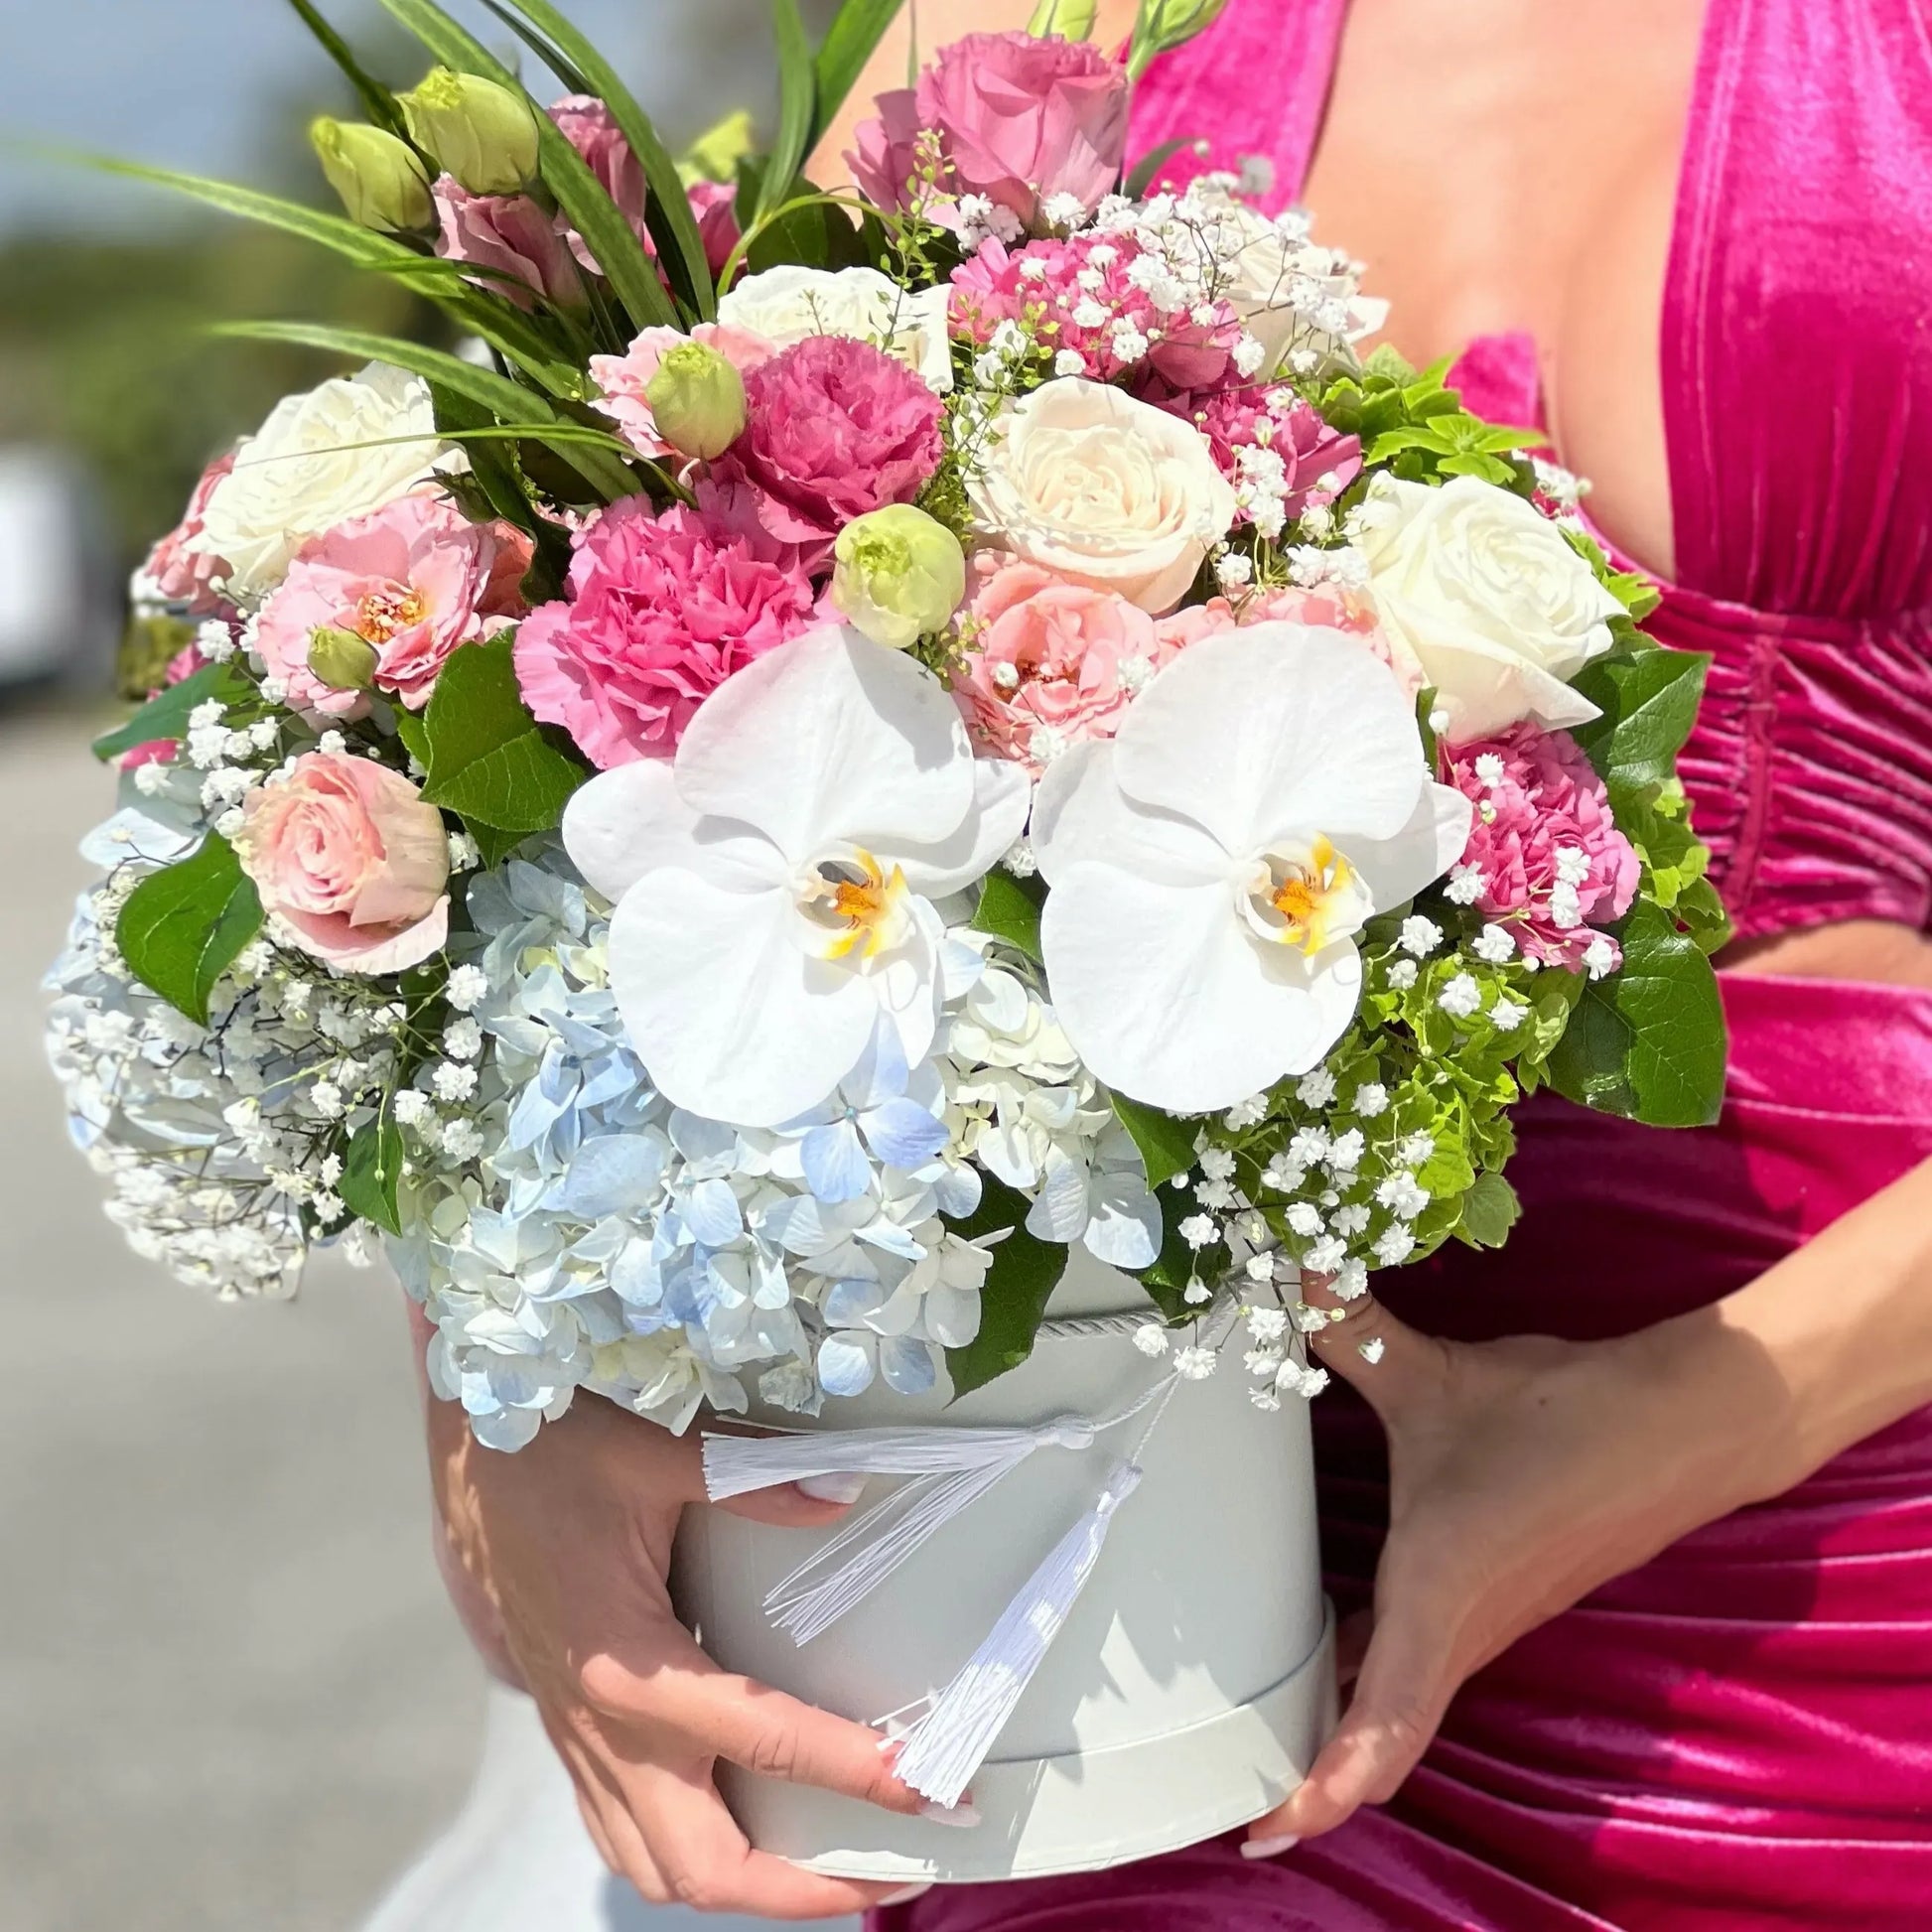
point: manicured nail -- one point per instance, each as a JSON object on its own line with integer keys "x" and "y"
{"x": 962, "y": 1817}
{"x": 842, "y": 1487}
{"x": 1371, "y": 1352}
{"x": 1268, "y": 1848}
{"x": 907, "y": 1896}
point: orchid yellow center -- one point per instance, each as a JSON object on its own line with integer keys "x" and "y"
{"x": 1309, "y": 900}
{"x": 382, "y": 613}
{"x": 860, "y": 906}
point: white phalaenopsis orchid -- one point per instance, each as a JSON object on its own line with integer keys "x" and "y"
{"x": 1209, "y": 869}
{"x": 773, "y": 882}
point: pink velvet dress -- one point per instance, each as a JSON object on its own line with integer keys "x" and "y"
{"x": 1738, "y": 1736}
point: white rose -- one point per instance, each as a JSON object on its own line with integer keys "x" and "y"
{"x": 1484, "y": 595}
{"x": 786, "y": 304}
{"x": 1108, "y": 492}
{"x": 302, "y": 474}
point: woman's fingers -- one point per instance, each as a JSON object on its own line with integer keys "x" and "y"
{"x": 717, "y": 1713}
{"x": 675, "y": 1474}
{"x": 1366, "y": 1345}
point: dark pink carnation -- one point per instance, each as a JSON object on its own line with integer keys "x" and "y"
{"x": 1316, "y": 462}
{"x": 836, "y": 428}
{"x": 661, "y": 610}
{"x": 1018, "y": 119}
{"x": 183, "y": 574}
{"x": 1552, "y": 863}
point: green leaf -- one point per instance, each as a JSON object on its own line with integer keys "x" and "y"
{"x": 1177, "y": 1264}
{"x": 1012, "y": 1303}
{"x": 1149, "y": 164}
{"x": 797, "y": 94}
{"x": 183, "y": 926}
{"x": 1008, "y": 909}
{"x": 165, "y": 715}
{"x": 669, "y": 211}
{"x": 579, "y": 193}
{"x": 1648, "y": 1043}
{"x": 379, "y": 103}
{"x": 488, "y": 758}
{"x": 1489, "y": 1210}
{"x": 1649, "y": 699}
{"x": 1167, "y": 1145}
{"x": 850, "y": 42}
{"x": 372, "y": 1165}
{"x": 505, "y": 400}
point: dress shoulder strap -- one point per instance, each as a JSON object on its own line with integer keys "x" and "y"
{"x": 1255, "y": 82}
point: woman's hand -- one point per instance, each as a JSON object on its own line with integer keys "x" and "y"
{"x": 569, "y": 1542}
{"x": 1523, "y": 1473}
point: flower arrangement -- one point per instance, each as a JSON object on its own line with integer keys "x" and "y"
{"x": 856, "y": 744}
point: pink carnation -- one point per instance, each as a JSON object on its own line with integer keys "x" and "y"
{"x": 836, "y": 428}
{"x": 510, "y": 237}
{"x": 625, "y": 378}
{"x": 1184, "y": 355}
{"x": 661, "y": 610}
{"x": 1018, "y": 119}
{"x": 414, "y": 580}
{"x": 1548, "y": 852}
{"x": 1279, "y": 447}
{"x": 181, "y": 573}
{"x": 1052, "y": 663}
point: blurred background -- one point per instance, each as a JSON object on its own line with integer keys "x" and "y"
{"x": 231, "y": 1699}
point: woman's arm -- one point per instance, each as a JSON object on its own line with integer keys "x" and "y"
{"x": 1526, "y": 1472}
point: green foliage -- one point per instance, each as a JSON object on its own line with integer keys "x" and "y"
{"x": 850, "y": 42}
{"x": 183, "y": 926}
{"x": 797, "y": 92}
{"x": 1167, "y": 1145}
{"x": 377, "y": 102}
{"x": 372, "y": 1170}
{"x": 1649, "y": 702}
{"x": 1012, "y": 1302}
{"x": 1489, "y": 1210}
{"x": 1410, "y": 425}
{"x": 488, "y": 759}
{"x": 1180, "y": 1267}
{"x": 1010, "y": 908}
{"x": 165, "y": 714}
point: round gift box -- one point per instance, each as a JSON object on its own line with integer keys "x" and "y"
{"x": 1188, "y": 1692}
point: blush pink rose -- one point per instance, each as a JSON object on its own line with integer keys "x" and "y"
{"x": 1020, "y": 119}
{"x": 510, "y": 237}
{"x": 661, "y": 610}
{"x": 345, "y": 853}
{"x": 625, "y": 378}
{"x": 836, "y": 428}
{"x": 1544, "y": 843}
{"x": 1051, "y": 663}
{"x": 180, "y": 572}
{"x": 413, "y": 580}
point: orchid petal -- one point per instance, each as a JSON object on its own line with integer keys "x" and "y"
{"x": 1080, "y": 812}
{"x": 1436, "y": 837}
{"x": 1001, "y": 797}
{"x": 730, "y": 1015}
{"x": 825, "y": 740}
{"x": 1172, "y": 1001}
{"x": 624, "y": 823}
{"x": 1277, "y": 730}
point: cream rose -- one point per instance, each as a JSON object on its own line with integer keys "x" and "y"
{"x": 1487, "y": 598}
{"x": 1103, "y": 491}
{"x": 786, "y": 304}
{"x": 319, "y": 459}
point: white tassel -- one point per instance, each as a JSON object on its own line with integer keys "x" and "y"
{"x": 950, "y": 1742}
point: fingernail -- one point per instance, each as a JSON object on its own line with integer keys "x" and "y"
{"x": 1268, "y": 1848}
{"x": 1371, "y": 1352}
{"x": 962, "y": 1816}
{"x": 841, "y": 1487}
{"x": 907, "y": 1896}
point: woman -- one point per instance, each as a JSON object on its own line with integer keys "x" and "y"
{"x": 1644, "y": 1614}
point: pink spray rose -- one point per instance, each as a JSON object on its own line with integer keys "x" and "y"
{"x": 181, "y": 573}
{"x": 510, "y": 236}
{"x": 836, "y": 428}
{"x": 1051, "y": 663}
{"x": 715, "y": 203}
{"x": 625, "y": 378}
{"x": 1548, "y": 852}
{"x": 348, "y": 855}
{"x": 413, "y": 581}
{"x": 1018, "y": 119}
{"x": 586, "y": 124}
{"x": 661, "y": 610}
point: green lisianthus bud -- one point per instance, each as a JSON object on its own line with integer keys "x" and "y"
{"x": 382, "y": 183}
{"x": 1071, "y": 19}
{"x": 901, "y": 575}
{"x": 341, "y": 659}
{"x": 716, "y": 153}
{"x": 697, "y": 401}
{"x": 482, "y": 133}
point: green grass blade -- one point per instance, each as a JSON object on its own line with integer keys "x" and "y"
{"x": 672, "y": 223}
{"x": 592, "y": 213}
{"x": 505, "y": 400}
{"x": 797, "y": 97}
{"x": 559, "y": 63}
{"x": 379, "y": 103}
{"x": 850, "y": 42}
